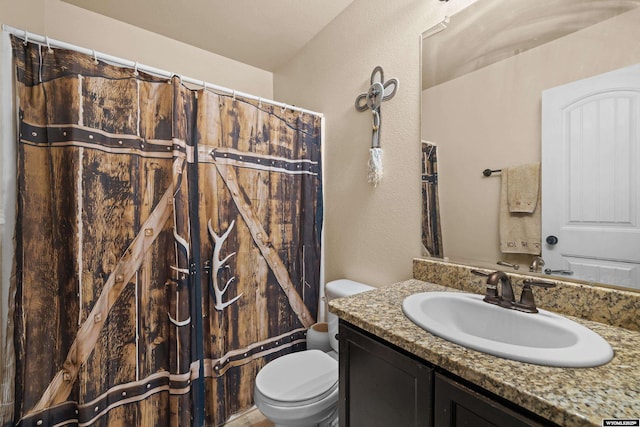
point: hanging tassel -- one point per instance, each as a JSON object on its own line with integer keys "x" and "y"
{"x": 375, "y": 166}
{"x": 375, "y": 152}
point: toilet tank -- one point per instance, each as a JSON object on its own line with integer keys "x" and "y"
{"x": 338, "y": 289}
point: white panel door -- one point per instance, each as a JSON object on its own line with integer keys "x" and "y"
{"x": 590, "y": 177}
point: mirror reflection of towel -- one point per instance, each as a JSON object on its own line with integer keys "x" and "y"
{"x": 520, "y": 231}
{"x": 523, "y": 186}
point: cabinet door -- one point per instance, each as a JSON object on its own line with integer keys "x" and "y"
{"x": 380, "y": 386}
{"x": 456, "y": 405}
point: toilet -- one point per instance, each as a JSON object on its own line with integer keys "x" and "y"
{"x": 301, "y": 389}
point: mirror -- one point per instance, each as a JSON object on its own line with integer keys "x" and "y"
{"x": 483, "y": 74}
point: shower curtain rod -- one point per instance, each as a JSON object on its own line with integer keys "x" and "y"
{"x": 49, "y": 42}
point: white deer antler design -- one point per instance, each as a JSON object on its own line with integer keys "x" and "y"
{"x": 217, "y": 264}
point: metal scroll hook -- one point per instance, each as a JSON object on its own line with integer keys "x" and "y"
{"x": 378, "y": 92}
{"x": 374, "y": 96}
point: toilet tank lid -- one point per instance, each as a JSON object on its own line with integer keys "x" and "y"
{"x": 345, "y": 287}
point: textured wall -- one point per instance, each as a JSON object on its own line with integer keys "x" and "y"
{"x": 371, "y": 234}
{"x": 88, "y": 29}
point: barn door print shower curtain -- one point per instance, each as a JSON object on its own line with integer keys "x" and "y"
{"x": 167, "y": 244}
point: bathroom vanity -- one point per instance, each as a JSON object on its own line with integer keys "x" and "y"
{"x": 382, "y": 385}
{"x": 393, "y": 372}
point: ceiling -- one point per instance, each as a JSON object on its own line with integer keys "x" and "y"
{"x": 264, "y": 34}
{"x": 490, "y": 31}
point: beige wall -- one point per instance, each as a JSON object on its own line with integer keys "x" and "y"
{"x": 371, "y": 234}
{"x": 88, "y": 29}
{"x": 27, "y": 14}
{"x": 65, "y": 22}
{"x": 491, "y": 118}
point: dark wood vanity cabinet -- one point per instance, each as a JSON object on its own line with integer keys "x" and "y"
{"x": 379, "y": 385}
{"x": 456, "y": 405}
{"x": 384, "y": 386}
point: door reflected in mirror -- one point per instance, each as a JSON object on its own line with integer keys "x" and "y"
{"x": 483, "y": 81}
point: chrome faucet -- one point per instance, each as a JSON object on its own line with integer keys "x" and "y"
{"x": 504, "y": 297}
{"x": 536, "y": 264}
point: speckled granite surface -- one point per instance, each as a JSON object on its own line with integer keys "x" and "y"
{"x": 569, "y": 397}
{"x": 605, "y": 305}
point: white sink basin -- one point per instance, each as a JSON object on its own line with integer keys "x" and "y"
{"x": 543, "y": 338}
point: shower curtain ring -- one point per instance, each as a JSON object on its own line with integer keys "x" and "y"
{"x": 284, "y": 109}
{"x": 26, "y": 38}
{"x": 95, "y": 56}
{"x": 234, "y": 95}
{"x": 259, "y": 102}
{"x": 135, "y": 69}
{"x": 46, "y": 39}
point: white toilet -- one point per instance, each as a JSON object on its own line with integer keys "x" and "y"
{"x": 301, "y": 389}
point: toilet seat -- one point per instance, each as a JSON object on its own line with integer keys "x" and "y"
{"x": 301, "y": 389}
{"x": 298, "y": 379}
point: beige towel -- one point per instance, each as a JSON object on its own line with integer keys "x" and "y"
{"x": 523, "y": 186}
{"x": 519, "y": 231}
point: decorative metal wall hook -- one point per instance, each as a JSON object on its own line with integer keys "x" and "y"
{"x": 378, "y": 92}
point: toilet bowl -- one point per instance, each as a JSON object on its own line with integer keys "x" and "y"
{"x": 301, "y": 389}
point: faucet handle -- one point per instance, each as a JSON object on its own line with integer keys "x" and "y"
{"x": 565, "y": 272}
{"x": 480, "y": 273}
{"x": 508, "y": 264}
{"x": 539, "y": 283}
{"x": 527, "y": 302}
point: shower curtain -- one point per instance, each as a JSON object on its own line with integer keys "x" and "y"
{"x": 167, "y": 244}
{"x": 431, "y": 230}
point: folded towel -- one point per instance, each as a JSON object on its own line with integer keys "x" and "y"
{"x": 519, "y": 231}
{"x": 523, "y": 186}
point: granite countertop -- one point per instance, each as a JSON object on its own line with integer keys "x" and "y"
{"x": 571, "y": 397}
